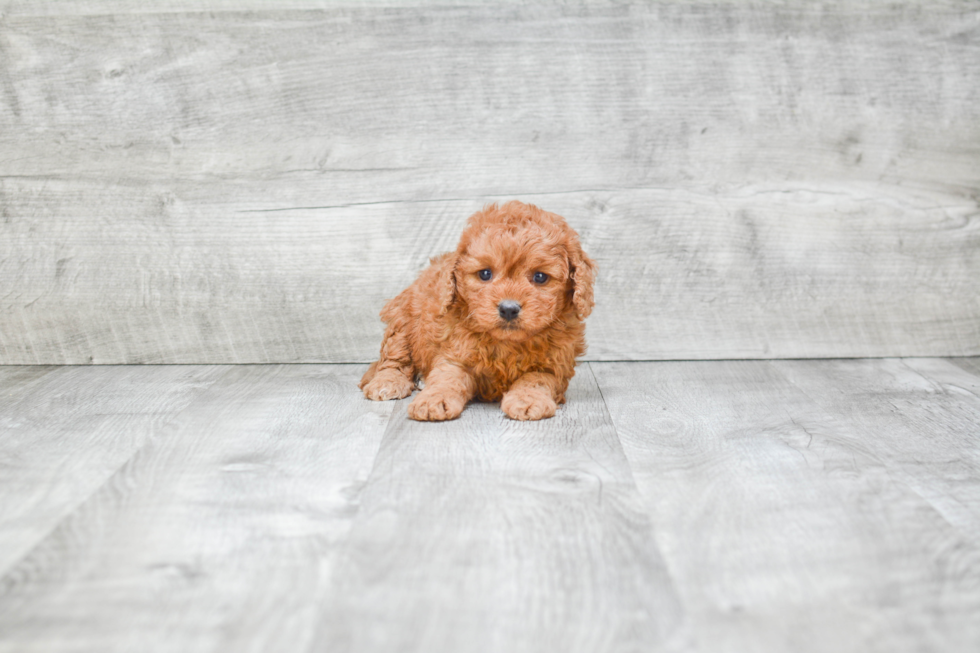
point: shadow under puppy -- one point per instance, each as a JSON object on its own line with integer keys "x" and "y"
{"x": 499, "y": 319}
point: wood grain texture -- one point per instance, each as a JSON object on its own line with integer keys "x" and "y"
{"x": 912, "y": 398}
{"x": 66, "y": 431}
{"x": 770, "y": 506}
{"x": 755, "y": 181}
{"x": 127, "y": 7}
{"x": 971, "y": 365}
{"x": 216, "y": 535}
{"x": 807, "y": 273}
{"x": 808, "y": 505}
{"x": 485, "y": 534}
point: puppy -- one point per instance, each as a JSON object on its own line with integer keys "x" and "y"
{"x": 499, "y": 319}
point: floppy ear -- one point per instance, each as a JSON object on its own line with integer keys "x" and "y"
{"x": 446, "y": 284}
{"x": 582, "y": 271}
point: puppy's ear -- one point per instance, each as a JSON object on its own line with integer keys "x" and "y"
{"x": 447, "y": 283}
{"x": 582, "y": 271}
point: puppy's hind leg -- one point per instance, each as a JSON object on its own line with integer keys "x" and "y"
{"x": 371, "y": 371}
{"x": 388, "y": 383}
{"x": 391, "y": 376}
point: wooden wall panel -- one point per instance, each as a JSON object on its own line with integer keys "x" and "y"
{"x": 755, "y": 181}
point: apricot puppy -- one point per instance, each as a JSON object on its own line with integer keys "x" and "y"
{"x": 499, "y": 319}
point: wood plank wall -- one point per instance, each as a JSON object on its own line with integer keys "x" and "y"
{"x": 786, "y": 179}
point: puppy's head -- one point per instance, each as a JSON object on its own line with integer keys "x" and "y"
{"x": 518, "y": 270}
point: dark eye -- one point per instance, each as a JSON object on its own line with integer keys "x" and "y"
{"x": 540, "y": 277}
{"x": 485, "y": 275}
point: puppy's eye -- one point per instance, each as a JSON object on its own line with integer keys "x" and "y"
{"x": 540, "y": 277}
{"x": 485, "y": 275}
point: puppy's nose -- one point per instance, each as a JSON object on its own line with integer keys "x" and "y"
{"x": 508, "y": 309}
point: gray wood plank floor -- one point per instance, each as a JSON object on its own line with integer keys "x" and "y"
{"x": 683, "y": 506}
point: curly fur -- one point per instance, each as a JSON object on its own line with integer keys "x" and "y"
{"x": 445, "y": 328}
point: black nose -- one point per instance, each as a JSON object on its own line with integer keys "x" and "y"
{"x": 508, "y": 309}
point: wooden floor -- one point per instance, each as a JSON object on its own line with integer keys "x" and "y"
{"x": 685, "y": 506}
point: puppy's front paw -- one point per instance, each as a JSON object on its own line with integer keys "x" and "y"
{"x": 528, "y": 403}
{"x": 388, "y": 384}
{"x": 435, "y": 406}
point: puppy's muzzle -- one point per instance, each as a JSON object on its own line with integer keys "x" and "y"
{"x": 509, "y": 309}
